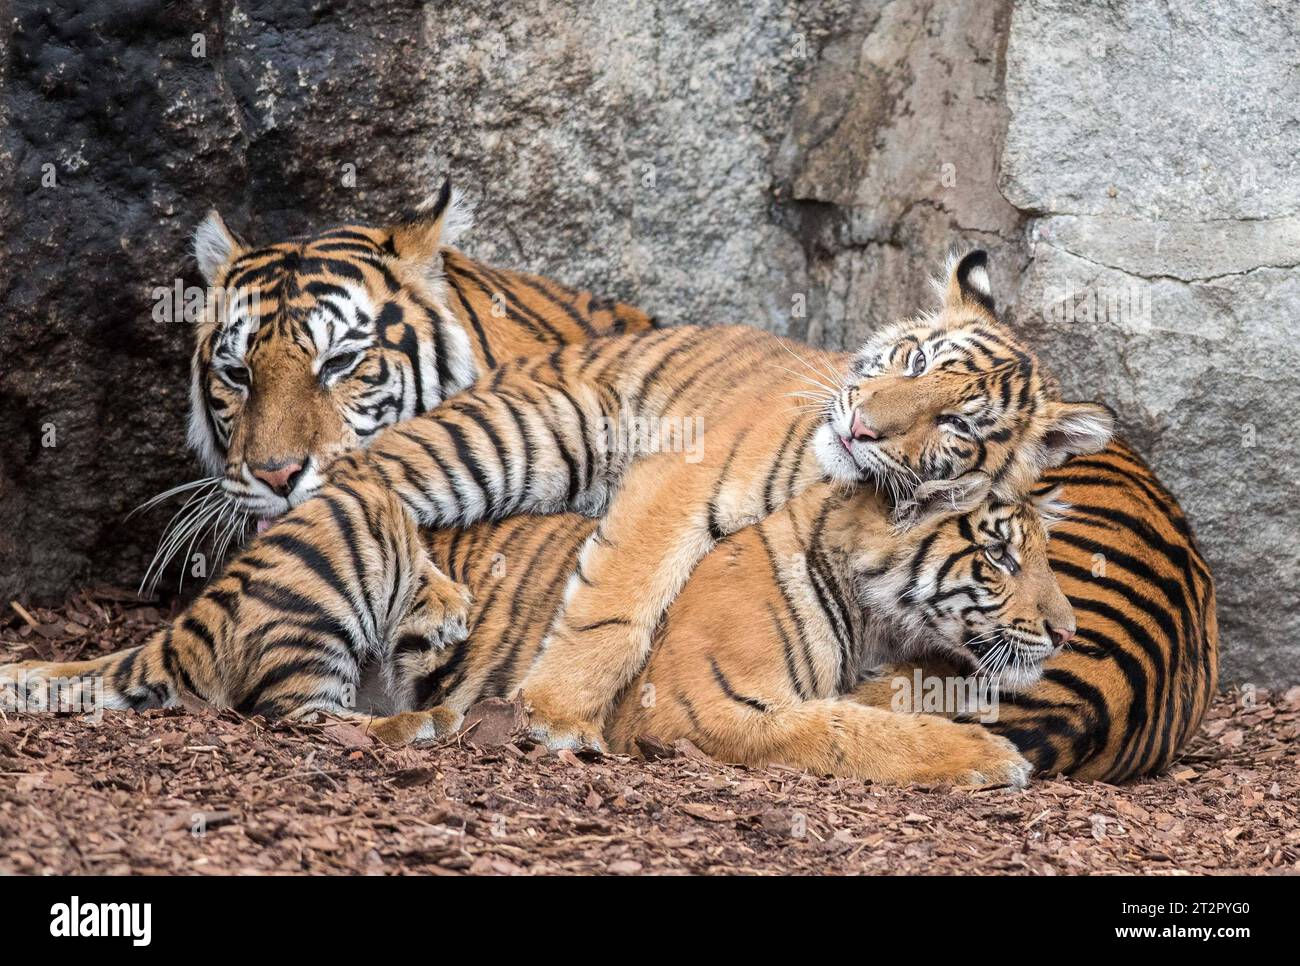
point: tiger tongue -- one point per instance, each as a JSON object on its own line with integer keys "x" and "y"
{"x": 264, "y": 523}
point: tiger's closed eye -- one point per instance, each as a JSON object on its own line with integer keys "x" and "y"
{"x": 957, "y": 424}
{"x": 237, "y": 376}
{"x": 338, "y": 364}
{"x": 917, "y": 363}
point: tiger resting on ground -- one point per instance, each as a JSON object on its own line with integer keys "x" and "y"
{"x": 1076, "y": 726}
{"x": 1023, "y": 369}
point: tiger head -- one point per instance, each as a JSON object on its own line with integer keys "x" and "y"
{"x": 952, "y": 392}
{"x": 967, "y": 574}
{"x": 310, "y": 346}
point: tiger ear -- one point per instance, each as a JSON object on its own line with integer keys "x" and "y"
{"x": 968, "y": 282}
{"x": 1075, "y": 429}
{"x": 1048, "y": 502}
{"x": 215, "y": 247}
{"x": 936, "y": 500}
{"x": 441, "y": 222}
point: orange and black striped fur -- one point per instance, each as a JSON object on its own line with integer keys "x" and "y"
{"x": 753, "y": 676}
{"x": 1136, "y": 681}
{"x": 309, "y": 347}
{"x": 561, "y": 432}
{"x": 342, "y": 583}
{"x": 755, "y": 657}
{"x": 1117, "y": 702}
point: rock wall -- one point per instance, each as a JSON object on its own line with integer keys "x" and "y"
{"x": 1160, "y": 167}
{"x": 802, "y": 166}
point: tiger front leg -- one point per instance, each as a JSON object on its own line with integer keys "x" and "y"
{"x": 137, "y": 678}
{"x": 844, "y": 738}
{"x": 436, "y": 619}
{"x": 438, "y": 613}
{"x": 629, "y": 572}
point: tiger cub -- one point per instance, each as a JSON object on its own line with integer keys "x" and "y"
{"x": 775, "y": 627}
{"x": 1135, "y": 682}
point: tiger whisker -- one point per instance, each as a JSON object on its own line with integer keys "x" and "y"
{"x": 237, "y": 526}
{"x": 1007, "y": 650}
{"x": 180, "y": 521}
{"x": 194, "y": 499}
{"x": 812, "y": 382}
{"x": 206, "y": 481}
{"x": 810, "y": 408}
{"x": 817, "y": 374}
{"x": 991, "y": 657}
{"x": 219, "y": 533}
{"x": 195, "y": 533}
{"x": 835, "y": 377}
{"x": 176, "y": 532}
{"x": 169, "y": 545}
{"x": 981, "y": 638}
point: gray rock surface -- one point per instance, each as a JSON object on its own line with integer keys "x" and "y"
{"x": 1160, "y": 165}
{"x": 802, "y": 165}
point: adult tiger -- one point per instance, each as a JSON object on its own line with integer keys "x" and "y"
{"x": 310, "y": 346}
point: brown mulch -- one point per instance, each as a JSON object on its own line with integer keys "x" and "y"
{"x": 195, "y": 791}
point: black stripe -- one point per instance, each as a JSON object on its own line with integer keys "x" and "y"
{"x": 787, "y": 650}
{"x": 731, "y": 693}
{"x": 199, "y": 630}
{"x": 309, "y": 555}
{"x": 567, "y": 308}
{"x": 488, "y": 358}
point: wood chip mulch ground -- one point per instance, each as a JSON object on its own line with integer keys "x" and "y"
{"x": 194, "y": 791}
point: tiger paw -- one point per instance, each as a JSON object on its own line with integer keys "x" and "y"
{"x": 979, "y": 757}
{"x": 417, "y": 727}
{"x": 440, "y": 611}
{"x": 557, "y": 732}
{"x": 20, "y": 683}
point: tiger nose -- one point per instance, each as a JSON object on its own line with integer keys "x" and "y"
{"x": 1060, "y": 634}
{"x": 860, "y": 429}
{"x": 280, "y": 477}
